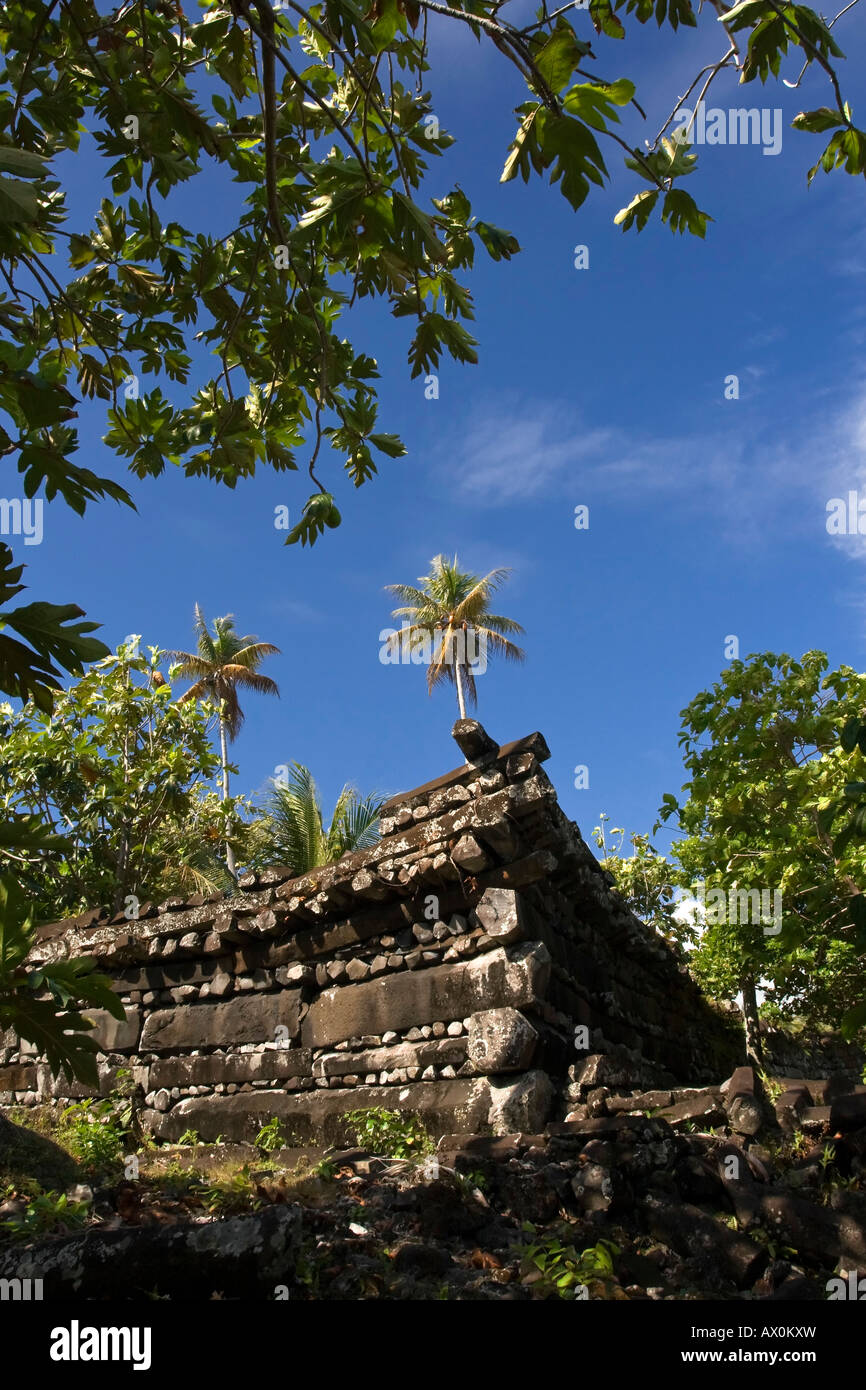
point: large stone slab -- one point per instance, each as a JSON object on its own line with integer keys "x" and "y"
{"x": 243, "y": 1257}
{"x": 436, "y": 1052}
{"x": 273, "y": 1065}
{"x": 112, "y": 1034}
{"x": 516, "y": 977}
{"x": 170, "y": 974}
{"x": 18, "y": 1077}
{"x": 520, "y": 1104}
{"x": 251, "y": 1018}
{"x": 318, "y": 1116}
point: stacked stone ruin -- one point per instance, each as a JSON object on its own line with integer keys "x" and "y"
{"x": 463, "y": 968}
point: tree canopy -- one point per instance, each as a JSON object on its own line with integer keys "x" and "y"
{"x": 121, "y": 772}
{"x": 768, "y": 774}
{"x": 316, "y": 124}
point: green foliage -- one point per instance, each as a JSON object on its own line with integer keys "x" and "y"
{"x": 48, "y": 1214}
{"x": 98, "y": 1131}
{"x": 557, "y": 1270}
{"x": 320, "y": 123}
{"x": 232, "y": 1195}
{"x": 290, "y": 831}
{"x": 189, "y": 1137}
{"x": 645, "y": 880}
{"x": 270, "y": 1136}
{"x": 121, "y": 768}
{"x": 93, "y": 1136}
{"x": 390, "y": 1133}
{"x": 768, "y": 778}
{"x": 52, "y": 642}
{"x": 42, "y": 1002}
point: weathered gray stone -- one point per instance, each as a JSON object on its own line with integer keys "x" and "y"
{"x": 473, "y": 740}
{"x": 501, "y": 1040}
{"x": 18, "y": 1078}
{"x": 522, "y": 1105}
{"x": 468, "y": 855}
{"x": 518, "y": 977}
{"x": 114, "y": 1035}
{"x": 500, "y": 914}
{"x": 274, "y": 1065}
{"x": 239, "y": 1258}
{"x": 250, "y": 1018}
{"x": 444, "y": 1106}
{"x": 440, "y": 1053}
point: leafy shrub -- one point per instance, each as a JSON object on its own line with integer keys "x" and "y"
{"x": 559, "y": 1271}
{"x": 229, "y": 1196}
{"x": 97, "y": 1132}
{"x": 92, "y": 1134}
{"x": 270, "y": 1136}
{"x": 391, "y": 1133}
{"x": 49, "y": 1213}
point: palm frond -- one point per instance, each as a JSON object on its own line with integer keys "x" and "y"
{"x": 234, "y": 675}
{"x": 355, "y": 824}
{"x": 292, "y": 833}
{"x": 408, "y": 593}
{"x": 499, "y": 624}
{"x": 501, "y": 645}
{"x": 251, "y": 653}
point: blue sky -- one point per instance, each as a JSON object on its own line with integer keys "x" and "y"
{"x": 602, "y": 386}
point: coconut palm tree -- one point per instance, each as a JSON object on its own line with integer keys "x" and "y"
{"x": 292, "y": 833}
{"x": 223, "y": 663}
{"x": 454, "y": 605}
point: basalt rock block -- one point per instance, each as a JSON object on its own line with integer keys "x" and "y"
{"x": 441, "y": 1052}
{"x": 114, "y": 1034}
{"x": 690, "y": 1232}
{"x": 277, "y": 1064}
{"x": 319, "y": 1116}
{"x": 473, "y": 741}
{"x": 520, "y": 1105}
{"x": 501, "y": 1040}
{"x": 252, "y": 1018}
{"x": 238, "y": 1258}
{"x": 501, "y": 913}
{"x": 518, "y": 977}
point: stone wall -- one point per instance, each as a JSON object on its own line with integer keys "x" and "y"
{"x": 459, "y": 969}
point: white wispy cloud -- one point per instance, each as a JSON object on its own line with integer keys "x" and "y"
{"x": 752, "y": 472}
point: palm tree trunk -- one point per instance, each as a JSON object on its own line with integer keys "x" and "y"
{"x": 750, "y": 1018}
{"x": 224, "y": 750}
{"x": 460, "y": 699}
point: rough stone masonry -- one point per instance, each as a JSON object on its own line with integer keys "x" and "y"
{"x": 462, "y": 968}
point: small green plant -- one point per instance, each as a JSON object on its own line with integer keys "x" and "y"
{"x": 468, "y": 1183}
{"x": 189, "y": 1136}
{"x": 772, "y": 1087}
{"x": 92, "y": 1134}
{"x": 325, "y": 1169}
{"x": 771, "y": 1244}
{"x": 98, "y": 1131}
{"x": 50, "y": 1213}
{"x": 560, "y": 1271}
{"x": 828, "y": 1156}
{"x": 231, "y": 1195}
{"x": 391, "y": 1133}
{"x": 270, "y": 1136}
